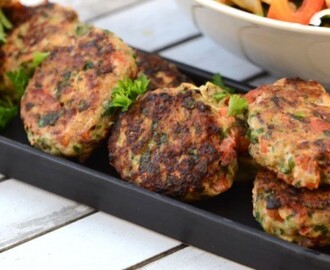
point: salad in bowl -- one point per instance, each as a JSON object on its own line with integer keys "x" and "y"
{"x": 283, "y": 48}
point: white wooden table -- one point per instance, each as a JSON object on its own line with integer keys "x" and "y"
{"x": 40, "y": 230}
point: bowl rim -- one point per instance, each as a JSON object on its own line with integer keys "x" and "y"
{"x": 271, "y": 23}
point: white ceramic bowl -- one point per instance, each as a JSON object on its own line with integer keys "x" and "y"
{"x": 283, "y": 49}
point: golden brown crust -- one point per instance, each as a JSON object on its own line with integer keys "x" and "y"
{"x": 297, "y": 215}
{"x": 290, "y": 131}
{"x": 160, "y": 72}
{"x": 173, "y": 142}
{"x": 299, "y": 199}
{"x": 9, "y": 3}
{"x": 44, "y": 28}
{"x": 15, "y": 12}
{"x": 64, "y": 106}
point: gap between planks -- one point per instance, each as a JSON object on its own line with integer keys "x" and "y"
{"x": 157, "y": 257}
{"x": 91, "y": 212}
{"x": 107, "y": 13}
{"x": 179, "y": 42}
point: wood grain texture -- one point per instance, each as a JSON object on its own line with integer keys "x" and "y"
{"x": 99, "y": 241}
{"x": 39, "y": 230}
{"x": 27, "y": 212}
{"x": 193, "y": 259}
{"x": 150, "y": 25}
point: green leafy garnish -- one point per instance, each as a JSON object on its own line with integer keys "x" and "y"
{"x": 38, "y": 58}
{"x": 19, "y": 79}
{"x": 217, "y": 80}
{"x": 21, "y": 76}
{"x": 7, "y": 112}
{"x": 220, "y": 95}
{"x": 225, "y": 91}
{"x": 127, "y": 92}
{"x": 5, "y": 24}
{"x": 237, "y": 105}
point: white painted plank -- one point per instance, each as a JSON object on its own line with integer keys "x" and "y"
{"x": 205, "y": 54}
{"x": 193, "y": 259}
{"x": 150, "y": 25}
{"x": 88, "y": 9}
{"x": 99, "y": 241}
{"x": 27, "y": 211}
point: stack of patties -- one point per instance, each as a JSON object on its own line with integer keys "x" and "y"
{"x": 40, "y": 29}
{"x": 65, "y": 107}
{"x": 289, "y": 125}
{"x": 180, "y": 142}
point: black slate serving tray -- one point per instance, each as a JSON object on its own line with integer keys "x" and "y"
{"x": 223, "y": 225}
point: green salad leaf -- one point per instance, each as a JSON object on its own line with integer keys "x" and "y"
{"x": 21, "y": 76}
{"x": 218, "y": 80}
{"x": 237, "y": 105}
{"x": 221, "y": 95}
{"x": 127, "y": 91}
{"x": 20, "y": 80}
{"x": 7, "y": 112}
{"x": 38, "y": 58}
{"x": 5, "y": 24}
{"x": 224, "y": 90}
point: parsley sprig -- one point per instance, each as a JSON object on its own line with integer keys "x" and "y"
{"x": 237, "y": 104}
{"x": 126, "y": 92}
{"x": 7, "y": 112}
{"x": 5, "y": 24}
{"x": 19, "y": 79}
{"x": 225, "y": 92}
{"x": 21, "y": 76}
{"x": 9, "y": 105}
{"x": 218, "y": 80}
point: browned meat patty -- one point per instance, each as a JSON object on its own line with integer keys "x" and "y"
{"x": 16, "y": 12}
{"x": 64, "y": 108}
{"x": 297, "y": 215}
{"x": 176, "y": 142}
{"x": 289, "y": 125}
{"x": 9, "y": 3}
{"x": 47, "y": 26}
{"x": 159, "y": 71}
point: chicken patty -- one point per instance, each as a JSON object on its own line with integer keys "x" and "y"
{"x": 289, "y": 125}
{"x": 9, "y": 3}
{"x": 297, "y": 215}
{"x": 45, "y": 27}
{"x": 16, "y": 12}
{"x": 175, "y": 141}
{"x": 65, "y": 106}
{"x": 159, "y": 71}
